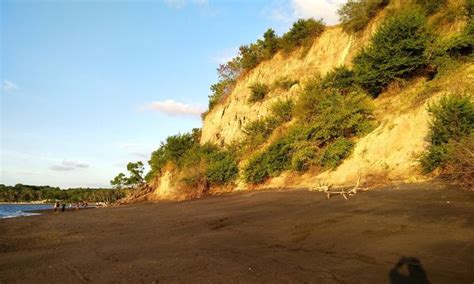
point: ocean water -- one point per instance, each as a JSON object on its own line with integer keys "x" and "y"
{"x": 18, "y": 210}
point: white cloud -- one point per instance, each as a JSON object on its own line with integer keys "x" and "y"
{"x": 174, "y": 108}
{"x": 178, "y": 4}
{"x": 67, "y": 165}
{"x": 9, "y": 86}
{"x": 291, "y": 10}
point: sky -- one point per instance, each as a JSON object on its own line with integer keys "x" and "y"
{"x": 87, "y": 86}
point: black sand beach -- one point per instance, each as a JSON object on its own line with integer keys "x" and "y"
{"x": 267, "y": 236}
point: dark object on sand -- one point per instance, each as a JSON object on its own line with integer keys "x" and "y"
{"x": 416, "y": 273}
{"x": 63, "y": 207}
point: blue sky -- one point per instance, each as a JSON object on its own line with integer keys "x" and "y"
{"x": 87, "y": 86}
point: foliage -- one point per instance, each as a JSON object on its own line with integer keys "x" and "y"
{"x": 258, "y": 131}
{"x": 331, "y": 114}
{"x": 355, "y": 15}
{"x": 285, "y": 84}
{"x": 119, "y": 181}
{"x": 396, "y": 51}
{"x": 271, "y": 162}
{"x": 303, "y": 157}
{"x": 136, "y": 173}
{"x": 259, "y": 91}
{"x": 172, "y": 150}
{"x": 135, "y": 176}
{"x": 341, "y": 79}
{"x": 453, "y": 120}
{"x": 461, "y": 44}
{"x": 282, "y": 110}
{"x": 222, "y": 168}
{"x": 431, "y": 6}
{"x": 459, "y": 165}
{"x": 301, "y": 34}
{"x": 336, "y": 152}
{"x": 27, "y": 193}
{"x": 199, "y": 166}
{"x": 227, "y": 74}
{"x": 269, "y": 45}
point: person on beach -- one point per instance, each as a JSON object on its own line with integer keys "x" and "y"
{"x": 55, "y": 207}
{"x": 63, "y": 207}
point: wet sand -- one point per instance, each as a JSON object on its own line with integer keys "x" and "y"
{"x": 266, "y": 236}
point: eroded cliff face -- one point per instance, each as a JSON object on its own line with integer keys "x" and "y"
{"x": 388, "y": 154}
{"x": 224, "y": 124}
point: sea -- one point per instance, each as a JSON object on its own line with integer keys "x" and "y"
{"x": 18, "y": 210}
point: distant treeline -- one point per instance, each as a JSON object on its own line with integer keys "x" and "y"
{"x": 27, "y": 193}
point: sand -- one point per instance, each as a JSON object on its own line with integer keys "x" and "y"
{"x": 265, "y": 236}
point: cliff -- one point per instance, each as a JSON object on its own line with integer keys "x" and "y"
{"x": 387, "y": 154}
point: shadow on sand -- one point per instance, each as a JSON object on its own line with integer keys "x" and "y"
{"x": 408, "y": 270}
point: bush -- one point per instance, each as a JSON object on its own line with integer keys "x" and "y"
{"x": 355, "y": 15}
{"x": 271, "y": 162}
{"x": 303, "y": 157}
{"x": 341, "y": 79}
{"x": 453, "y": 120}
{"x": 285, "y": 84}
{"x": 461, "y": 44}
{"x": 330, "y": 114}
{"x": 222, "y": 168}
{"x": 263, "y": 127}
{"x": 302, "y": 33}
{"x": 228, "y": 74}
{"x": 459, "y": 167}
{"x": 336, "y": 152}
{"x": 396, "y": 51}
{"x": 259, "y": 91}
{"x": 282, "y": 110}
{"x": 431, "y": 6}
{"x": 172, "y": 150}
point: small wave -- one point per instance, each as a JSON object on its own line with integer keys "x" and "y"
{"x": 19, "y": 214}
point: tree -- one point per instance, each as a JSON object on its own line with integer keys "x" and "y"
{"x": 269, "y": 44}
{"x": 136, "y": 173}
{"x": 119, "y": 181}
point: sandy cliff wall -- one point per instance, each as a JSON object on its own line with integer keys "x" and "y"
{"x": 333, "y": 48}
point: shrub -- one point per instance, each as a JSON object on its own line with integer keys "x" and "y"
{"x": 355, "y": 15}
{"x": 330, "y": 114}
{"x": 341, "y": 79}
{"x": 336, "y": 152}
{"x": 222, "y": 168}
{"x": 285, "y": 84}
{"x": 459, "y": 167}
{"x": 453, "y": 119}
{"x": 172, "y": 150}
{"x": 431, "y": 6}
{"x": 271, "y": 162}
{"x": 303, "y": 157}
{"x": 282, "y": 110}
{"x": 396, "y": 51}
{"x": 301, "y": 34}
{"x": 228, "y": 74}
{"x": 259, "y": 91}
{"x": 269, "y": 44}
{"x": 263, "y": 126}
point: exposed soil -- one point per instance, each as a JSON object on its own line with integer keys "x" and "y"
{"x": 265, "y": 236}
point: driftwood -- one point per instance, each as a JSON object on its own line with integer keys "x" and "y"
{"x": 330, "y": 190}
